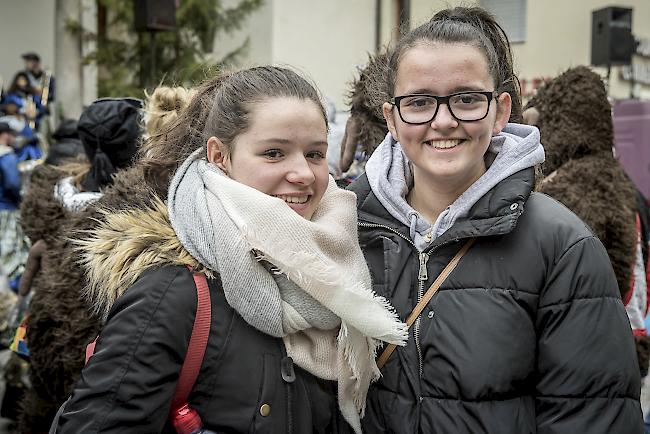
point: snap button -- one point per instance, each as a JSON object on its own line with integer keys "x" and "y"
{"x": 265, "y": 410}
{"x": 514, "y": 206}
{"x": 430, "y": 314}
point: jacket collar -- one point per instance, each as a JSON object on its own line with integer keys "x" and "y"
{"x": 131, "y": 241}
{"x": 496, "y": 213}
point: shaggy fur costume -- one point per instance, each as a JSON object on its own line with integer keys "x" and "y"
{"x": 366, "y": 97}
{"x": 576, "y": 129}
{"x": 60, "y": 323}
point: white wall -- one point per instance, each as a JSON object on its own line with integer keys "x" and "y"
{"x": 326, "y": 40}
{"x": 25, "y": 25}
{"x": 258, "y": 27}
{"x": 323, "y": 40}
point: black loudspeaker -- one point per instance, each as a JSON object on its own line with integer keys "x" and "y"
{"x": 154, "y": 15}
{"x": 612, "y": 42}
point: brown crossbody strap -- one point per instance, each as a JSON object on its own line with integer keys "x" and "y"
{"x": 417, "y": 310}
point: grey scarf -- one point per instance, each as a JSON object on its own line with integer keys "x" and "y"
{"x": 234, "y": 229}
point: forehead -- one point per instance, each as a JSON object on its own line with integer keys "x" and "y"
{"x": 286, "y": 118}
{"x": 442, "y": 68}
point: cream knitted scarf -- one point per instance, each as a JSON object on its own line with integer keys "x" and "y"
{"x": 230, "y": 227}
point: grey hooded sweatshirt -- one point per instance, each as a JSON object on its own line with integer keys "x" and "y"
{"x": 389, "y": 174}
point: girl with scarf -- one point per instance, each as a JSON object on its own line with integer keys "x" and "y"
{"x": 528, "y": 334}
{"x": 241, "y": 193}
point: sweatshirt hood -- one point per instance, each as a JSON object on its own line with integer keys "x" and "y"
{"x": 389, "y": 174}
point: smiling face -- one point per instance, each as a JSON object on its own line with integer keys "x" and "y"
{"x": 282, "y": 153}
{"x": 446, "y": 153}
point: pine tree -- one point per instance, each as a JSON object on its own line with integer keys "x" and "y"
{"x": 125, "y": 57}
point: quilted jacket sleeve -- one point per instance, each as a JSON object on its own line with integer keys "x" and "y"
{"x": 128, "y": 384}
{"x": 588, "y": 378}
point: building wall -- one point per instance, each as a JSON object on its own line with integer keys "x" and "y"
{"x": 25, "y": 25}
{"x": 257, "y": 28}
{"x": 324, "y": 40}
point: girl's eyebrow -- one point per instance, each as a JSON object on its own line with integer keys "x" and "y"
{"x": 289, "y": 142}
{"x": 460, "y": 88}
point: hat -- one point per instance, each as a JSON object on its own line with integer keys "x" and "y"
{"x": 67, "y": 129}
{"x": 31, "y": 56}
{"x": 5, "y": 128}
{"x": 110, "y": 130}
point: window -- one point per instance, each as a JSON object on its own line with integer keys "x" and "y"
{"x": 511, "y": 15}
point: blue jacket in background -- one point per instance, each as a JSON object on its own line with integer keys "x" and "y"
{"x": 9, "y": 181}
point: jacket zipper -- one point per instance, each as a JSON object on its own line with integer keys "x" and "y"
{"x": 423, "y": 276}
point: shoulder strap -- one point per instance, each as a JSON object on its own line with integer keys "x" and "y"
{"x": 417, "y": 310}
{"x": 198, "y": 342}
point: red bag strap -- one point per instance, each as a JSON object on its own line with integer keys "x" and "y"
{"x": 198, "y": 342}
{"x": 185, "y": 419}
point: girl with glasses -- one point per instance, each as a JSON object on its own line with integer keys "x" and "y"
{"x": 528, "y": 333}
{"x": 240, "y": 194}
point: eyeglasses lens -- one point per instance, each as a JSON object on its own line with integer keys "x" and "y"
{"x": 464, "y": 107}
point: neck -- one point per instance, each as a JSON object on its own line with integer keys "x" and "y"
{"x": 431, "y": 195}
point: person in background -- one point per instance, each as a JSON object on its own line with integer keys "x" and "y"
{"x": 574, "y": 118}
{"x": 163, "y": 106}
{"x": 26, "y": 98}
{"x": 528, "y": 333}
{"x": 60, "y": 195}
{"x": 67, "y": 144}
{"x": 37, "y": 77}
{"x": 13, "y": 244}
{"x": 14, "y": 247}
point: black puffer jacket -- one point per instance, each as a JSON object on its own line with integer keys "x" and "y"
{"x": 528, "y": 334}
{"x": 128, "y": 384}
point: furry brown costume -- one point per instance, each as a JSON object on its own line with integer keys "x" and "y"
{"x": 42, "y": 217}
{"x": 60, "y": 323}
{"x": 576, "y": 129}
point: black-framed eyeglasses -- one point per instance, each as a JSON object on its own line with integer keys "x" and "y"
{"x": 417, "y": 109}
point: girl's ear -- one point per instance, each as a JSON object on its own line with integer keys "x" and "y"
{"x": 218, "y": 154}
{"x": 389, "y": 114}
{"x": 504, "y": 105}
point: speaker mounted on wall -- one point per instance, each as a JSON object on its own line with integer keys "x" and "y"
{"x": 154, "y": 15}
{"x": 612, "y": 42}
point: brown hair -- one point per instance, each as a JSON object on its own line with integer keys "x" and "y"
{"x": 474, "y": 26}
{"x": 221, "y": 108}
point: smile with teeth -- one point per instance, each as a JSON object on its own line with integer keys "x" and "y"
{"x": 293, "y": 199}
{"x": 443, "y": 144}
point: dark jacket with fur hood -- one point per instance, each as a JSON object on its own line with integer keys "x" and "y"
{"x": 139, "y": 282}
{"x": 575, "y": 124}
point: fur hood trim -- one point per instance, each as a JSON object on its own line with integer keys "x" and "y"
{"x": 122, "y": 246}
